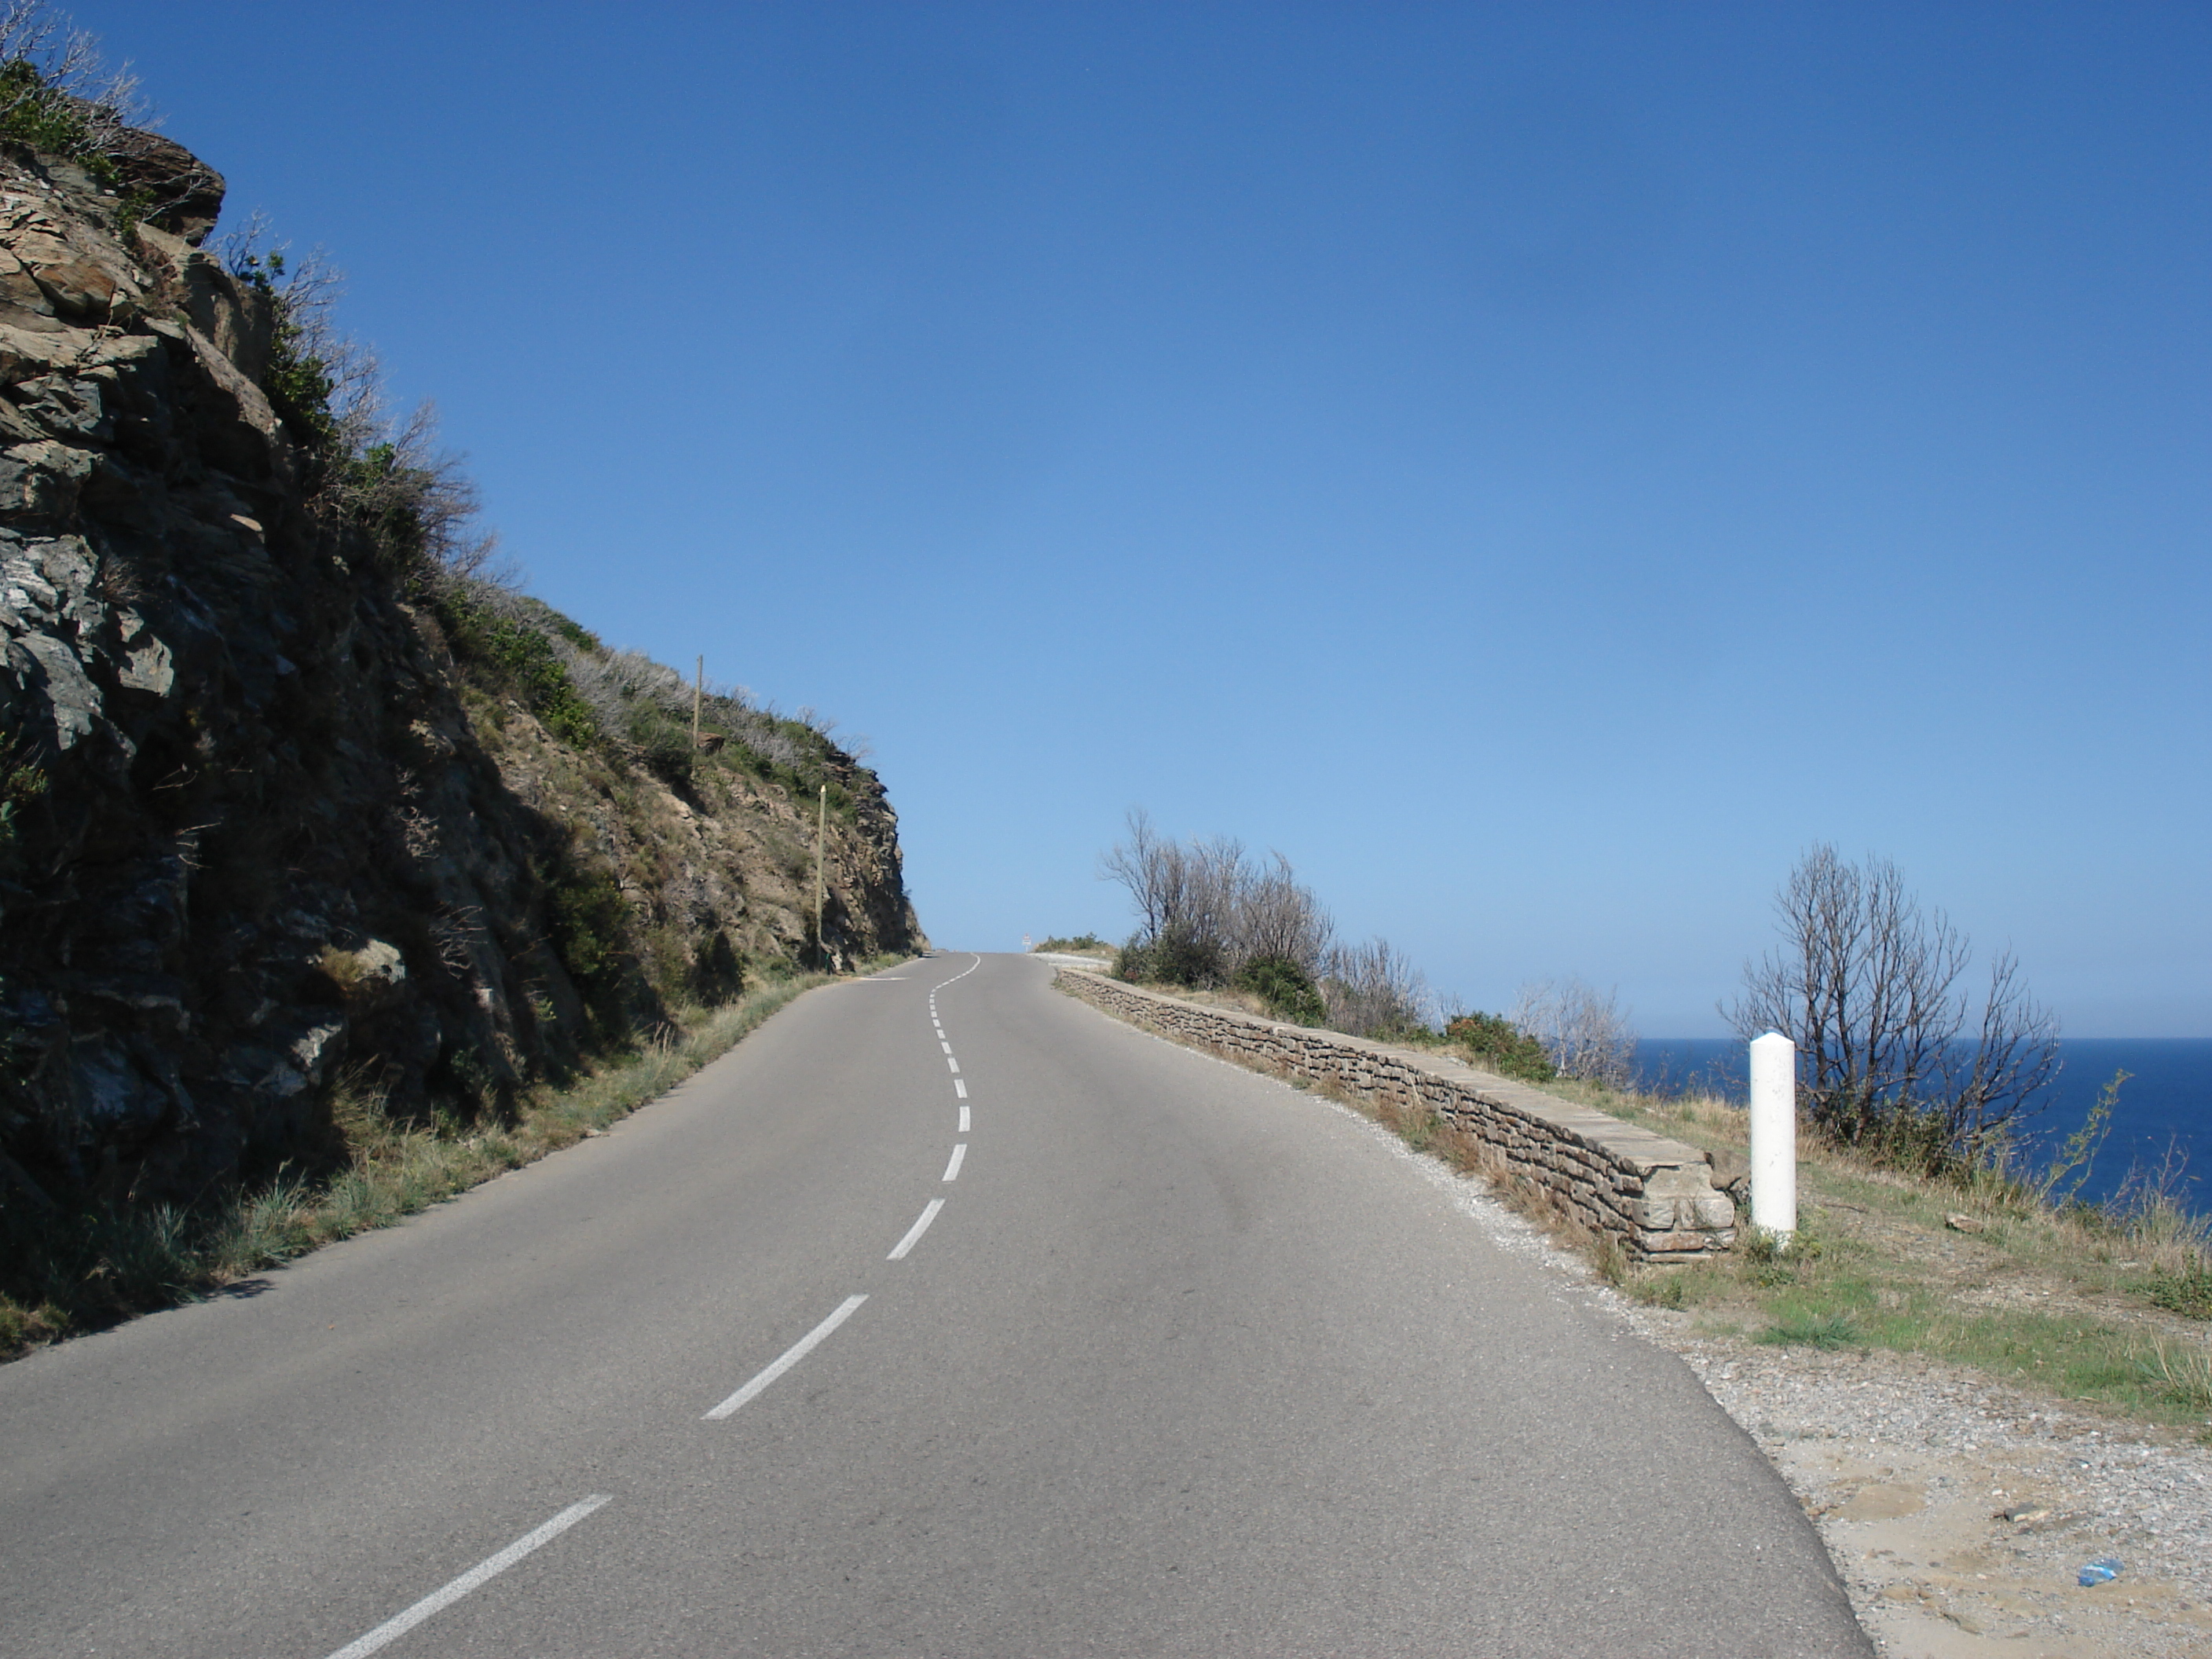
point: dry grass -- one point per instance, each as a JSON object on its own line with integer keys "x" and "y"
{"x": 2099, "y": 1303}
{"x": 1426, "y": 1130}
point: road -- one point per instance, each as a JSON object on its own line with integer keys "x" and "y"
{"x": 1182, "y": 1362}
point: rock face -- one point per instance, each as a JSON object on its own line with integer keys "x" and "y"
{"x": 264, "y": 830}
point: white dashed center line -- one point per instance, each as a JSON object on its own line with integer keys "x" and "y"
{"x": 962, "y": 1085}
{"x": 953, "y": 1063}
{"x": 913, "y": 1233}
{"x": 438, "y": 1599}
{"x": 963, "y": 1120}
{"x": 945, "y": 1045}
{"x": 959, "y": 1157}
{"x": 797, "y": 1352}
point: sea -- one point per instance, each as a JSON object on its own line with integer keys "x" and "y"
{"x": 2162, "y": 1117}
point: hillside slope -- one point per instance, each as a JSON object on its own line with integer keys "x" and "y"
{"x": 284, "y": 804}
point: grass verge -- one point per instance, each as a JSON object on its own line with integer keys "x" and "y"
{"x": 2103, "y": 1304}
{"x": 65, "y": 1275}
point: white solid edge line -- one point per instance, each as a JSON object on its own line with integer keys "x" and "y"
{"x": 959, "y": 1157}
{"x": 913, "y": 1233}
{"x": 792, "y": 1355}
{"x": 960, "y": 1085}
{"x": 963, "y": 1120}
{"x": 392, "y": 1629}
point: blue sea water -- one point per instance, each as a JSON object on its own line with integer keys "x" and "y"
{"x": 2164, "y": 1107}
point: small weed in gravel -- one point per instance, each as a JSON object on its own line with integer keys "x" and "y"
{"x": 2186, "y": 1290}
{"x": 1813, "y": 1330}
{"x": 2180, "y": 1372}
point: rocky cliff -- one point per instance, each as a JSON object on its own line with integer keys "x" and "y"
{"x": 283, "y": 807}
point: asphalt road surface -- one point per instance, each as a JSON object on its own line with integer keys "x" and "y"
{"x": 943, "y": 1316}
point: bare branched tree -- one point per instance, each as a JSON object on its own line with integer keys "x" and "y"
{"x": 1867, "y": 985}
{"x": 1373, "y": 991}
{"x": 1207, "y": 911}
{"x": 1278, "y": 918}
{"x": 66, "y": 75}
{"x": 1141, "y": 862}
{"x": 1584, "y": 1032}
{"x": 2012, "y": 1064}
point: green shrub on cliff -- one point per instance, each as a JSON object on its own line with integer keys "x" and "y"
{"x": 55, "y": 96}
{"x": 1495, "y": 1043}
{"x": 518, "y": 655}
{"x": 298, "y": 381}
{"x": 584, "y": 901}
{"x": 35, "y": 113}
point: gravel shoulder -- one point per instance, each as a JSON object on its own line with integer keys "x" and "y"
{"x": 1958, "y": 1511}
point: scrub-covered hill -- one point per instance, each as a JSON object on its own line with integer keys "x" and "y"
{"x": 290, "y": 796}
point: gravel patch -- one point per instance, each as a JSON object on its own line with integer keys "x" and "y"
{"x": 1959, "y": 1511}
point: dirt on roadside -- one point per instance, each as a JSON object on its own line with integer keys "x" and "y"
{"x": 1960, "y": 1513}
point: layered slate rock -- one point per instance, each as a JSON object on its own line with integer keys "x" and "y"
{"x": 255, "y": 838}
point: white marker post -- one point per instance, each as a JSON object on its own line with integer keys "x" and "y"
{"x": 1774, "y": 1135}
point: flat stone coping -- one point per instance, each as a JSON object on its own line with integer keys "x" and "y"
{"x": 1655, "y": 1194}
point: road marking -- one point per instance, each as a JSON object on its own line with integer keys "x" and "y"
{"x": 963, "y": 1120}
{"x": 953, "y": 1063}
{"x": 942, "y": 1044}
{"x": 438, "y": 1599}
{"x": 961, "y": 1085}
{"x": 913, "y": 1233}
{"x": 959, "y": 1157}
{"x": 961, "y": 974}
{"x": 797, "y": 1352}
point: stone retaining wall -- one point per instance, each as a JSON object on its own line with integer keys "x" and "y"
{"x": 1654, "y": 1194}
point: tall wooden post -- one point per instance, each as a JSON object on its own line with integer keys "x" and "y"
{"x": 698, "y": 695}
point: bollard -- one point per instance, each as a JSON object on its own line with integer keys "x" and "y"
{"x": 1774, "y": 1133}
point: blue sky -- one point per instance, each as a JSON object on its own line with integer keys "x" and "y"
{"x": 1538, "y": 467}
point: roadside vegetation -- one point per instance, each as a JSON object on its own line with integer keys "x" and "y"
{"x": 57, "y": 96}
{"x": 1218, "y": 923}
{"x": 2003, "y": 1273}
{"x": 1076, "y": 944}
{"x": 2001, "y": 1270}
{"x": 61, "y": 1274}
{"x": 1933, "y": 1220}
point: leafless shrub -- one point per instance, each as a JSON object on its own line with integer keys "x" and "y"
{"x": 1584, "y": 1033}
{"x": 1373, "y": 991}
{"x": 1205, "y": 910}
{"x": 1149, "y": 868}
{"x": 385, "y": 474}
{"x": 306, "y": 289}
{"x": 612, "y": 682}
{"x": 1277, "y": 916}
{"x": 68, "y": 67}
{"x": 1867, "y": 985}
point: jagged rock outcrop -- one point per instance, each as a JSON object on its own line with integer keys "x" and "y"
{"x": 263, "y": 827}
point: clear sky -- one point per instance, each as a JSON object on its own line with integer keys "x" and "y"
{"x": 1538, "y": 467}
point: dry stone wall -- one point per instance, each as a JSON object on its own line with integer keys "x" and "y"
{"x": 1655, "y": 1196}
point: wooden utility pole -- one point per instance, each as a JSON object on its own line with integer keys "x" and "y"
{"x": 821, "y": 840}
{"x": 698, "y": 695}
